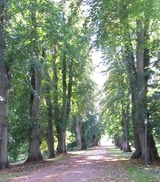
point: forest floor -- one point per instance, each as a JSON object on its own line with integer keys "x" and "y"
{"x": 97, "y": 164}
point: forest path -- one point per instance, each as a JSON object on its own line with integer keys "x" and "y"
{"x": 94, "y": 165}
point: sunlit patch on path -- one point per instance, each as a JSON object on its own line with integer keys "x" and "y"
{"x": 93, "y": 165}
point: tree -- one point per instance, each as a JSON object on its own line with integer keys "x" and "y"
{"x": 4, "y": 89}
{"x": 35, "y": 94}
{"x": 49, "y": 113}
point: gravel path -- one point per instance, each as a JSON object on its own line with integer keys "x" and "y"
{"x": 96, "y": 165}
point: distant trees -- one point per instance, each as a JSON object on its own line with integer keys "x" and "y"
{"x": 116, "y": 104}
{"x": 85, "y": 124}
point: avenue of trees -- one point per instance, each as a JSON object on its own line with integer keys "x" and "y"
{"x": 128, "y": 34}
{"x": 47, "y": 95}
{"x": 46, "y": 92}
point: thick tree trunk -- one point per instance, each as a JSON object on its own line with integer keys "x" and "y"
{"x": 141, "y": 86}
{"x": 152, "y": 149}
{"x": 35, "y": 94}
{"x": 61, "y": 148}
{"x": 142, "y": 58}
{"x": 4, "y": 87}
{"x": 34, "y": 138}
{"x": 117, "y": 141}
{"x": 34, "y": 146}
{"x": 137, "y": 145}
{"x": 138, "y": 78}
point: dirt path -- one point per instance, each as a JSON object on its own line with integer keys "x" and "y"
{"x": 96, "y": 165}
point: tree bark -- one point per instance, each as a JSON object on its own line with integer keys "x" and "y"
{"x": 4, "y": 88}
{"x": 152, "y": 149}
{"x": 66, "y": 107}
{"x": 78, "y": 135}
{"x": 34, "y": 137}
{"x": 35, "y": 94}
{"x": 61, "y": 149}
{"x": 61, "y": 129}
{"x": 142, "y": 60}
{"x": 49, "y": 113}
{"x": 50, "y": 137}
{"x": 132, "y": 75}
{"x": 83, "y": 137}
{"x": 125, "y": 135}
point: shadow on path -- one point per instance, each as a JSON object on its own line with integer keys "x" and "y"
{"x": 95, "y": 165}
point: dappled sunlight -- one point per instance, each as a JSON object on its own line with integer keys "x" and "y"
{"x": 94, "y": 163}
{"x": 95, "y": 157}
{"x": 102, "y": 158}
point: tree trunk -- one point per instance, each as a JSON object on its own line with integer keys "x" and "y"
{"x": 142, "y": 57}
{"x": 152, "y": 149}
{"x": 50, "y": 138}
{"x": 66, "y": 107}
{"x": 137, "y": 144}
{"x": 60, "y": 147}
{"x": 131, "y": 70}
{"x": 78, "y": 135}
{"x": 35, "y": 94}
{"x": 83, "y": 137}
{"x": 61, "y": 142}
{"x": 61, "y": 124}
{"x": 132, "y": 75}
{"x": 125, "y": 136}
{"x": 60, "y": 119}
{"x": 34, "y": 138}
{"x": 4, "y": 87}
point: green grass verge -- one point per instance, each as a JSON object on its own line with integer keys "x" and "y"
{"x": 137, "y": 171}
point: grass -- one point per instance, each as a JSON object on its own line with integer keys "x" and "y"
{"x": 137, "y": 171}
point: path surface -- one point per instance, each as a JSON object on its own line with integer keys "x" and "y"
{"x": 96, "y": 165}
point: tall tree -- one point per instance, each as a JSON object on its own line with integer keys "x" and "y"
{"x": 4, "y": 88}
{"x": 49, "y": 113}
{"x": 35, "y": 95}
{"x": 66, "y": 105}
